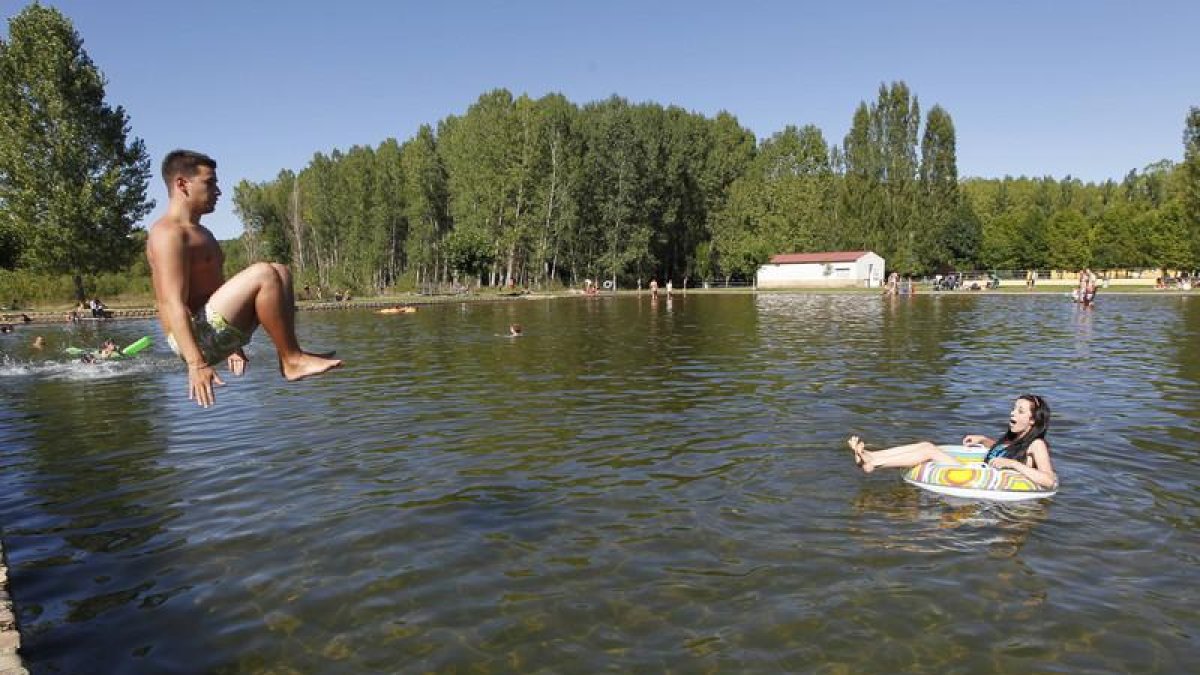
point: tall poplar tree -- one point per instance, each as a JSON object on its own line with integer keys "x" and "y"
{"x": 948, "y": 236}
{"x": 861, "y": 197}
{"x": 424, "y": 204}
{"x": 895, "y": 121}
{"x": 1190, "y": 174}
{"x": 72, "y": 182}
{"x": 614, "y": 232}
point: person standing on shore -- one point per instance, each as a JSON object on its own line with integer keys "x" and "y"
{"x": 205, "y": 317}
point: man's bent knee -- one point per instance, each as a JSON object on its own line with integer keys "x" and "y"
{"x": 264, "y": 273}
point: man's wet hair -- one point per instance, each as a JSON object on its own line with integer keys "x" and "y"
{"x": 185, "y": 163}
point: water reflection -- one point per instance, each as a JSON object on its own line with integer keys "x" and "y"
{"x": 1000, "y": 528}
{"x": 97, "y": 501}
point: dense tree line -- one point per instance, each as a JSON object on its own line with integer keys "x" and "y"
{"x": 546, "y": 191}
{"x": 516, "y": 189}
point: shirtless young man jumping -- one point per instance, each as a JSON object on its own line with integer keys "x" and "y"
{"x": 206, "y": 318}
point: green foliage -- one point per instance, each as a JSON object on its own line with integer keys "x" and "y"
{"x": 30, "y": 289}
{"x": 949, "y": 233}
{"x": 266, "y": 215}
{"x": 1068, "y": 241}
{"x": 544, "y": 191}
{"x": 469, "y": 251}
{"x": 1116, "y": 239}
{"x": 1189, "y": 181}
{"x": 425, "y": 217}
{"x": 1170, "y": 243}
{"x": 72, "y": 185}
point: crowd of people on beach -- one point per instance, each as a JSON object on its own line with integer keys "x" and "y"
{"x": 308, "y": 293}
{"x": 1183, "y": 282}
{"x": 93, "y": 308}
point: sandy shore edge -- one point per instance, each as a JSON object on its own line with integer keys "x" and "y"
{"x": 10, "y": 637}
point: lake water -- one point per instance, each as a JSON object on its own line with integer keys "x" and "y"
{"x": 633, "y": 486}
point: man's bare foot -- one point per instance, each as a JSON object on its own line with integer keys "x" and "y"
{"x": 861, "y": 455}
{"x": 306, "y": 365}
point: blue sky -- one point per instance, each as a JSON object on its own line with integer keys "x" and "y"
{"x": 1089, "y": 89}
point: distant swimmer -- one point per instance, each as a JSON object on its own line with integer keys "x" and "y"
{"x": 107, "y": 350}
{"x": 205, "y": 317}
{"x": 515, "y": 330}
{"x": 39, "y": 342}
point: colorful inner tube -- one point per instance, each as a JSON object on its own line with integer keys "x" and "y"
{"x": 969, "y": 478}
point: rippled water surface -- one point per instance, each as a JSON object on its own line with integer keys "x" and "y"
{"x": 631, "y": 486}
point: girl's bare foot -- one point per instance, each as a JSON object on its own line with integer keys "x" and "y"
{"x": 854, "y": 444}
{"x": 862, "y": 457}
{"x": 306, "y": 365}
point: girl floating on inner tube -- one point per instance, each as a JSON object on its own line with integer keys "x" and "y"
{"x": 1022, "y": 448}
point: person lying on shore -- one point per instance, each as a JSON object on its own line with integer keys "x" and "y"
{"x": 206, "y": 318}
{"x": 1022, "y": 447}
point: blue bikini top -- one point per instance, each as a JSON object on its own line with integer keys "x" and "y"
{"x": 1000, "y": 450}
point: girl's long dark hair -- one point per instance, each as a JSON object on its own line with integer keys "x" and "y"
{"x": 1041, "y": 422}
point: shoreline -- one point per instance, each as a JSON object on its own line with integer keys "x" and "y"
{"x": 10, "y": 635}
{"x": 44, "y": 316}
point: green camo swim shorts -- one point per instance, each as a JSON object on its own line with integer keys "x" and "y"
{"x": 216, "y": 337}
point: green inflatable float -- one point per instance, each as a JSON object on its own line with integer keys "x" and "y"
{"x": 130, "y": 350}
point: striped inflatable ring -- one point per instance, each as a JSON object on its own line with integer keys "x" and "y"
{"x": 971, "y": 479}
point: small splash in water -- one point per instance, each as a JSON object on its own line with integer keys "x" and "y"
{"x": 76, "y": 370}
